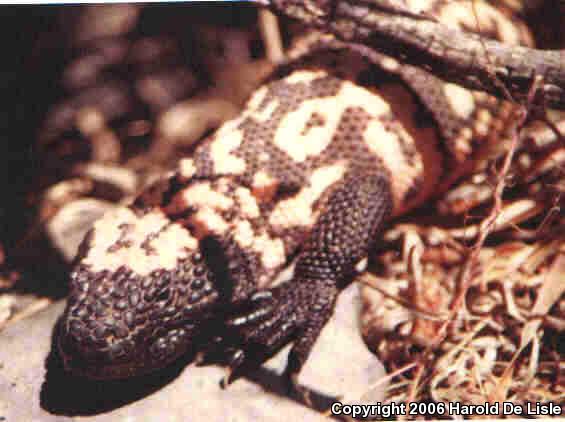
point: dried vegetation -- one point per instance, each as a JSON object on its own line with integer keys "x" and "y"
{"x": 473, "y": 310}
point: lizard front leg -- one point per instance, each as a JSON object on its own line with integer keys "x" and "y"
{"x": 297, "y": 310}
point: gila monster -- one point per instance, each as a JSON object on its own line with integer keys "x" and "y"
{"x": 332, "y": 146}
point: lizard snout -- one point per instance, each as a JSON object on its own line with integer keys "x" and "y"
{"x": 119, "y": 324}
{"x": 110, "y": 357}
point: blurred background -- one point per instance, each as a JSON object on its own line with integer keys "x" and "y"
{"x": 117, "y": 86}
{"x": 129, "y": 62}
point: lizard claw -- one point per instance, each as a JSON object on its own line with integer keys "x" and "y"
{"x": 257, "y": 329}
{"x": 235, "y": 360}
{"x": 200, "y": 358}
{"x": 273, "y": 318}
{"x": 226, "y": 380}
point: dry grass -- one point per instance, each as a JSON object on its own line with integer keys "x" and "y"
{"x": 480, "y": 308}
{"x": 480, "y": 311}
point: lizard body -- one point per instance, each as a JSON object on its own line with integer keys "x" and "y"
{"x": 332, "y": 146}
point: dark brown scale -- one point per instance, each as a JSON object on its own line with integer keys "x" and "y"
{"x": 115, "y": 350}
{"x": 121, "y": 276}
{"x": 120, "y": 330}
{"x": 197, "y": 284}
{"x": 194, "y": 297}
{"x": 347, "y": 141}
{"x": 164, "y": 297}
{"x": 100, "y": 290}
{"x": 98, "y": 309}
{"x": 79, "y": 312}
{"x": 199, "y": 271}
{"x": 119, "y": 293}
{"x": 146, "y": 282}
{"x": 169, "y": 311}
{"x": 146, "y": 244}
{"x": 163, "y": 280}
{"x": 150, "y": 294}
{"x": 129, "y": 319}
{"x": 121, "y": 242}
{"x": 141, "y": 318}
{"x": 134, "y": 298}
{"x": 121, "y": 305}
{"x": 101, "y": 332}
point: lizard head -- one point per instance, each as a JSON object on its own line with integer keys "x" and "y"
{"x": 140, "y": 293}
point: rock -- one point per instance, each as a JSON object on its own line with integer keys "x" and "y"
{"x": 68, "y": 227}
{"x": 34, "y": 387}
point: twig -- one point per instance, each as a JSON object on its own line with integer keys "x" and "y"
{"x": 505, "y": 92}
{"x": 453, "y": 55}
{"x": 486, "y": 225}
{"x": 271, "y": 34}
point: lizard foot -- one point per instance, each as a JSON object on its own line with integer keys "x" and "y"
{"x": 294, "y": 312}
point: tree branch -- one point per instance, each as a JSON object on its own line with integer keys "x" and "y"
{"x": 455, "y": 56}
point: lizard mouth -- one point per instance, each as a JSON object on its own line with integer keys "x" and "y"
{"x": 82, "y": 368}
{"x": 123, "y": 360}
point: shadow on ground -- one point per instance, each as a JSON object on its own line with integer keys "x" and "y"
{"x": 65, "y": 394}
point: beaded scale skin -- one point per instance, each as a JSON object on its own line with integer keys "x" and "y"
{"x": 323, "y": 154}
